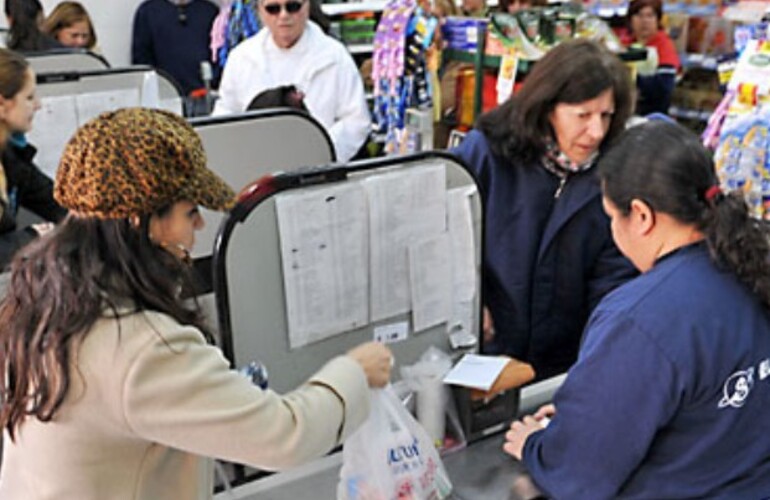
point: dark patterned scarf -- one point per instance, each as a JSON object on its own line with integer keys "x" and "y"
{"x": 556, "y": 162}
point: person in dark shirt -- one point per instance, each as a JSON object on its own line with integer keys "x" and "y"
{"x": 22, "y": 184}
{"x": 670, "y": 393}
{"x": 173, "y": 36}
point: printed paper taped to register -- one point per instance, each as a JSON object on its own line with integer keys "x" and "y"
{"x": 476, "y": 371}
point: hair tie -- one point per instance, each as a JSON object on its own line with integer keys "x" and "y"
{"x": 713, "y": 194}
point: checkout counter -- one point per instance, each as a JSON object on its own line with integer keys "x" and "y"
{"x": 479, "y": 471}
{"x": 381, "y": 206}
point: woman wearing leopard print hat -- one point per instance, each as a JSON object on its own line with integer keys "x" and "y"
{"x": 110, "y": 386}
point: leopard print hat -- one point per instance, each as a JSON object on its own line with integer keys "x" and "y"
{"x": 135, "y": 161}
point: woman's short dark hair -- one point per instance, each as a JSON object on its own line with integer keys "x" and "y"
{"x": 571, "y": 73}
{"x": 665, "y": 166}
{"x": 60, "y": 285}
{"x": 636, "y": 5}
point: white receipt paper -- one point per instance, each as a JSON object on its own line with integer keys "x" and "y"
{"x": 476, "y": 371}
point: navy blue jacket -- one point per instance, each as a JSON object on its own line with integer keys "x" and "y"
{"x": 547, "y": 261}
{"x": 670, "y": 395}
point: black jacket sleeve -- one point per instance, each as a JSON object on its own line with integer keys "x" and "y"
{"x": 35, "y": 193}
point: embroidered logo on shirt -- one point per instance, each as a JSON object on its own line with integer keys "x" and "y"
{"x": 737, "y": 388}
{"x": 764, "y": 369}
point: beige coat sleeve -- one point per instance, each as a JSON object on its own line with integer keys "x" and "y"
{"x": 180, "y": 392}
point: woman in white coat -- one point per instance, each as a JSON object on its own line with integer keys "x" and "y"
{"x": 291, "y": 50}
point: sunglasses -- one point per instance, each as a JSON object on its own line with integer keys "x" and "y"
{"x": 291, "y": 7}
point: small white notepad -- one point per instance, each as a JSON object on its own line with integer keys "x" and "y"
{"x": 476, "y": 371}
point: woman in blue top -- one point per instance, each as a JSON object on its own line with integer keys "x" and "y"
{"x": 549, "y": 256}
{"x": 670, "y": 394}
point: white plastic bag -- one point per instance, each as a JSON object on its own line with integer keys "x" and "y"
{"x": 391, "y": 457}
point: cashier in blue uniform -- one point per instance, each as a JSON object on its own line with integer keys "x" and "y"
{"x": 670, "y": 396}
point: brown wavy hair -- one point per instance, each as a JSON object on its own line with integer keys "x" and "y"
{"x": 571, "y": 73}
{"x": 60, "y": 286}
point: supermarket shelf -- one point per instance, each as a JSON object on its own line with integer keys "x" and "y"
{"x": 524, "y": 65}
{"x": 610, "y": 11}
{"x": 379, "y": 138}
{"x": 470, "y": 57}
{"x": 698, "y": 61}
{"x": 689, "y": 114}
{"x": 706, "y": 62}
{"x": 336, "y": 9}
{"x": 361, "y": 48}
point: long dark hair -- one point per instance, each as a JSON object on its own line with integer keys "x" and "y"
{"x": 666, "y": 166}
{"x": 24, "y": 32}
{"x": 572, "y": 72}
{"x": 60, "y": 286}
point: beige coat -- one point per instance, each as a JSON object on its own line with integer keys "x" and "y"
{"x": 151, "y": 398}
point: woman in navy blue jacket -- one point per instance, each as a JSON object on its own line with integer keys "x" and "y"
{"x": 669, "y": 397}
{"x": 549, "y": 257}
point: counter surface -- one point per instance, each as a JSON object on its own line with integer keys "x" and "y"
{"x": 480, "y": 471}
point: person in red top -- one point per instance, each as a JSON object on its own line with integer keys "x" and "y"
{"x": 645, "y": 28}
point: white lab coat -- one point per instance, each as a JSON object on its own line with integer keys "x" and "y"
{"x": 321, "y": 67}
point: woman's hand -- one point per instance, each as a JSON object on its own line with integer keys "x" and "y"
{"x": 518, "y": 434}
{"x": 376, "y": 360}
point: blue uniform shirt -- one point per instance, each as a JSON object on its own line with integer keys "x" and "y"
{"x": 670, "y": 397}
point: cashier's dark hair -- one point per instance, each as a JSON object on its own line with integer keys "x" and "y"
{"x": 60, "y": 286}
{"x": 665, "y": 166}
{"x": 573, "y": 72}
